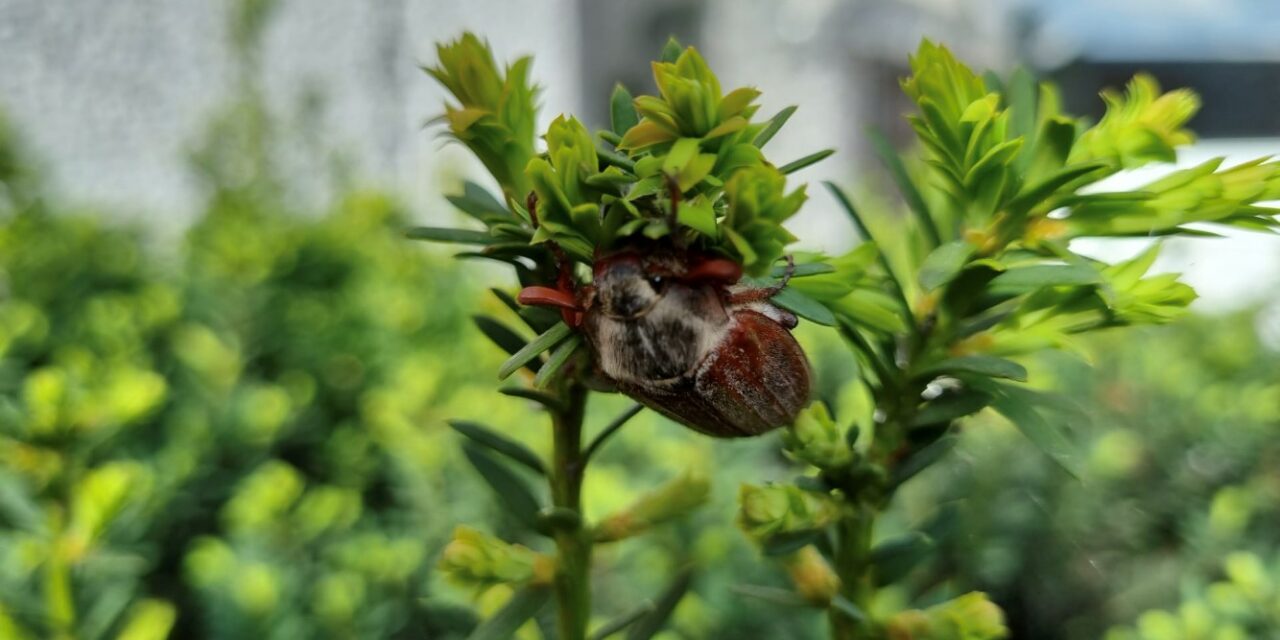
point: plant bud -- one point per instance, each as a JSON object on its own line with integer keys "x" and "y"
{"x": 970, "y": 617}
{"x": 774, "y": 510}
{"x": 672, "y": 500}
{"x": 813, "y": 577}
{"x": 477, "y": 559}
{"x": 977, "y": 616}
{"x": 815, "y": 439}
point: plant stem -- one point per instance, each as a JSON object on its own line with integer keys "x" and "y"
{"x": 857, "y": 583}
{"x": 573, "y": 545}
{"x": 852, "y": 560}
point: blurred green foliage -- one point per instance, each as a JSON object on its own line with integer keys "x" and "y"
{"x": 1181, "y": 441}
{"x": 228, "y": 427}
{"x": 1245, "y": 603}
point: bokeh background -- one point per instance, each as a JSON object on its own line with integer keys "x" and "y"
{"x": 224, "y": 375}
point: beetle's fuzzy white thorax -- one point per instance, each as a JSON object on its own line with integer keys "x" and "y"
{"x": 668, "y": 341}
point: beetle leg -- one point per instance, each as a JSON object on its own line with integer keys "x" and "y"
{"x": 547, "y": 297}
{"x": 570, "y": 311}
{"x": 564, "y": 297}
{"x": 764, "y": 293}
{"x": 788, "y": 272}
{"x": 747, "y": 296}
{"x": 714, "y": 270}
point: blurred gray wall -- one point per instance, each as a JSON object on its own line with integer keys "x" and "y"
{"x": 113, "y": 94}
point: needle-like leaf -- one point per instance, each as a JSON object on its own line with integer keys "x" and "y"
{"x": 906, "y": 186}
{"x": 510, "y": 488}
{"x": 490, "y": 438}
{"x": 453, "y": 236}
{"x": 522, "y": 606}
{"x": 775, "y": 124}
{"x": 547, "y": 340}
{"x": 984, "y": 365}
{"x": 622, "y": 112}
{"x": 557, "y": 361}
{"x": 653, "y": 622}
{"x": 609, "y": 430}
{"x": 811, "y": 159}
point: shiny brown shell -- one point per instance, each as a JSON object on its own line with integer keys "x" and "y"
{"x": 756, "y": 380}
{"x": 714, "y": 357}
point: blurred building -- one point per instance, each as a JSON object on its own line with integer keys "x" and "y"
{"x": 1226, "y": 51}
{"x": 113, "y": 95}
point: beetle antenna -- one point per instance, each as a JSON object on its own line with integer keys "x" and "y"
{"x": 531, "y": 204}
{"x": 788, "y": 272}
{"x": 564, "y": 279}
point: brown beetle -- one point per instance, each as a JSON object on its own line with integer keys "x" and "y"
{"x": 675, "y": 330}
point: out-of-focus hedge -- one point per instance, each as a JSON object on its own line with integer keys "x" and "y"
{"x": 1181, "y": 428}
{"x": 222, "y": 432}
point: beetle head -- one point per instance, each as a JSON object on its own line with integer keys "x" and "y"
{"x": 625, "y": 287}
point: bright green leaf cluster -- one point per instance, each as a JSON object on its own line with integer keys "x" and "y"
{"x": 1144, "y": 125}
{"x": 1002, "y": 160}
{"x": 568, "y": 183}
{"x": 496, "y": 111}
{"x": 704, "y": 143}
{"x": 691, "y": 105}
{"x": 757, "y": 206}
{"x": 1058, "y": 301}
{"x": 815, "y": 439}
{"x": 966, "y": 131}
{"x": 1206, "y": 193}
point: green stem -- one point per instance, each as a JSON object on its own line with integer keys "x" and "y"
{"x": 857, "y": 581}
{"x": 853, "y": 559}
{"x": 573, "y": 545}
